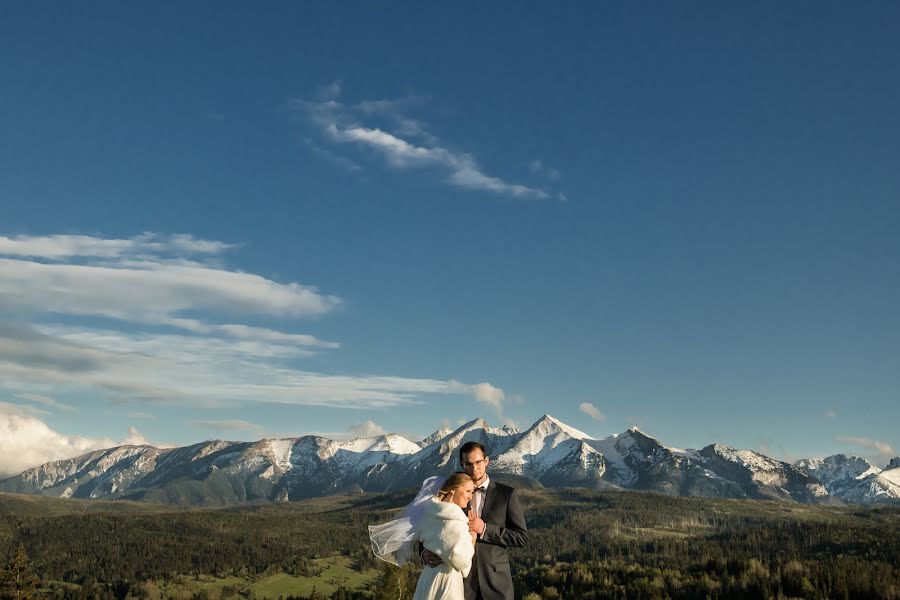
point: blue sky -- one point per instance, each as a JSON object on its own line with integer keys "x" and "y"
{"x": 225, "y": 221}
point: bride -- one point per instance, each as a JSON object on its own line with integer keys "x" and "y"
{"x": 436, "y": 518}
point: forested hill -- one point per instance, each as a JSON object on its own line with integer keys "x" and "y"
{"x": 584, "y": 544}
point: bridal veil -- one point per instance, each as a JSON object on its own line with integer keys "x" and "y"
{"x": 394, "y": 541}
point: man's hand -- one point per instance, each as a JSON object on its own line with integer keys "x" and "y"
{"x": 476, "y": 525}
{"x": 430, "y": 558}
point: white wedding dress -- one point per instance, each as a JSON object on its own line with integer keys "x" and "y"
{"x": 441, "y": 527}
{"x": 444, "y": 529}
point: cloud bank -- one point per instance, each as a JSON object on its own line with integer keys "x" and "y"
{"x": 26, "y": 441}
{"x": 160, "y": 319}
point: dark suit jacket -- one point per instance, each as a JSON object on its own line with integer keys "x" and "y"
{"x": 504, "y": 528}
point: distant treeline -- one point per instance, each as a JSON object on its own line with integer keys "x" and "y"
{"x": 584, "y": 544}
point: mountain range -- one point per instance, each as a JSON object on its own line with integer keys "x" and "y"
{"x": 549, "y": 453}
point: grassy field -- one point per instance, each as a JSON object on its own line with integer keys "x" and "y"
{"x": 336, "y": 572}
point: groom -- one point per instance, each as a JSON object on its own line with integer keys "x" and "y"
{"x": 496, "y": 517}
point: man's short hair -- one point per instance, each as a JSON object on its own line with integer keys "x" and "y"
{"x": 469, "y": 446}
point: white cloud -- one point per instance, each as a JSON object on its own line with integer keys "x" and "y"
{"x": 134, "y": 438}
{"x": 340, "y": 123}
{"x": 154, "y": 292}
{"x": 366, "y": 429}
{"x": 57, "y": 247}
{"x": 489, "y": 395}
{"x": 26, "y": 441}
{"x": 397, "y": 151}
{"x": 246, "y": 332}
{"x": 469, "y": 176}
{"x": 592, "y": 411}
{"x": 831, "y": 413}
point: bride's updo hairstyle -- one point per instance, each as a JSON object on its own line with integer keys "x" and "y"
{"x": 453, "y": 482}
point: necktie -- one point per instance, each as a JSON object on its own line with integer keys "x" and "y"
{"x": 478, "y": 504}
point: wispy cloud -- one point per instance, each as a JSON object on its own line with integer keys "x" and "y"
{"x": 57, "y": 247}
{"x": 404, "y": 142}
{"x": 24, "y": 409}
{"x": 883, "y": 451}
{"x": 366, "y": 429}
{"x": 142, "y": 367}
{"x": 592, "y": 411}
{"x": 172, "y": 332}
{"x": 831, "y": 413}
{"x": 150, "y": 279}
{"x": 46, "y": 401}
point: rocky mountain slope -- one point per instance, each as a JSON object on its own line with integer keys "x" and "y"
{"x": 549, "y": 453}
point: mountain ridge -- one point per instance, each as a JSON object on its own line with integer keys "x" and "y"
{"x": 548, "y": 453}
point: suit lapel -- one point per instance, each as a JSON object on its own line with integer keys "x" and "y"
{"x": 489, "y": 495}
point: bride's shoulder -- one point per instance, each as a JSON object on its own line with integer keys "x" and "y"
{"x": 448, "y": 511}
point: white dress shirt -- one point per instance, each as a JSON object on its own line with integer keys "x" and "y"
{"x": 478, "y": 497}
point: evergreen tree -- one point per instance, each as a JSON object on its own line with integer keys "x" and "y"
{"x": 17, "y": 582}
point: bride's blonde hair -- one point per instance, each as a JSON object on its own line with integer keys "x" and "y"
{"x": 453, "y": 482}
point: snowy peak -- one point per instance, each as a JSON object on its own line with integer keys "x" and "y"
{"x": 838, "y": 468}
{"x": 641, "y": 438}
{"x": 549, "y": 425}
{"x": 391, "y": 442}
{"x": 478, "y": 423}
{"x": 894, "y": 464}
{"x": 746, "y": 458}
{"x": 854, "y": 479}
{"x": 435, "y": 437}
{"x": 553, "y": 453}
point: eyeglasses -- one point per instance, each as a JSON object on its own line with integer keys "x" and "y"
{"x": 477, "y": 463}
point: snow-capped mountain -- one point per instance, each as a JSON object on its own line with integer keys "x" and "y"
{"x": 549, "y": 453}
{"x": 441, "y": 455}
{"x": 761, "y": 476}
{"x": 553, "y": 453}
{"x": 854, "y": 479}
{"x": 434, "y": 437}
